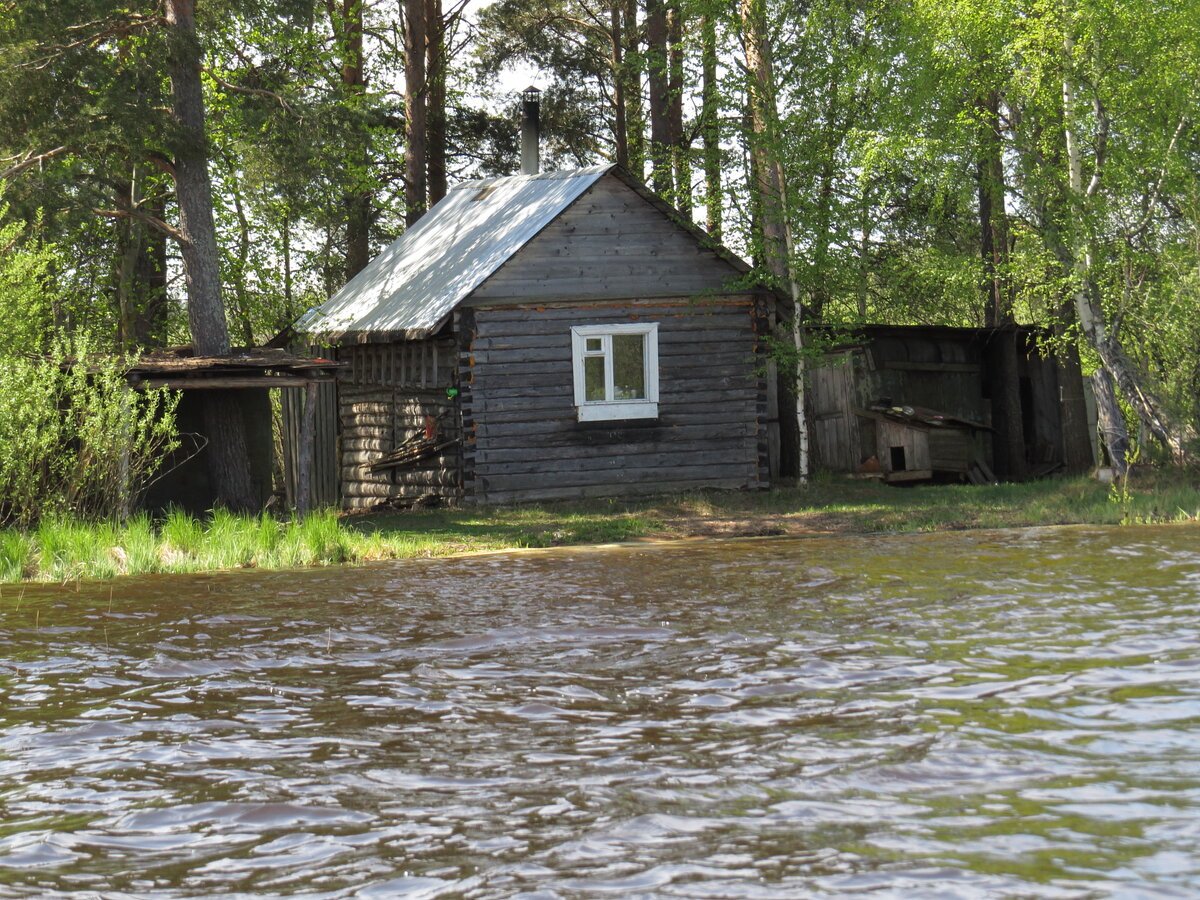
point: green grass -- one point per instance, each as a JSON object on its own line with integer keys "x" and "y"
{"x": 63, "y": 551}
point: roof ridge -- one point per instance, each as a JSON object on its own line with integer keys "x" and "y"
{"x": 583, "y": 172}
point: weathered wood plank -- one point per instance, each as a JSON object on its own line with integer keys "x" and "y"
{"x": 549, "y": 310}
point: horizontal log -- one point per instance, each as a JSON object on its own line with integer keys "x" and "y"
{"x": 483, "y": 403}
{"x": 672, "y": 340}
{"x": 580, "y": 492}
{"x": 670, "y": 420}
{"x": 729, "y": 447}
{"x": 676, "y": 323}
{"x": 682, "y": 305}
{"x": 616, "y": 467}
{"x": 562, "y": 352}
{"x": 229, "y": 382}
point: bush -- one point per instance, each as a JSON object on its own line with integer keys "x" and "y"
{"x": 74, "y": 439}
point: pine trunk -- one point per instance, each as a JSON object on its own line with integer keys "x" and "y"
{"x": 229, "y": 465}
{"x": 635, "y": 114}
{"x": 416, "y": 135}
{"x": 620, "y": 127}
{"x": 436, "y": 106}
{"x": 357, "y": 201}
{"x": 681, "y": 162}
{"x": 662, "y": 177}
{"x": 711, "y": 127}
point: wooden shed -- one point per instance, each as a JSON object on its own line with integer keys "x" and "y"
{"x": 547, "y": 336}
{"x": 920, "y": 402}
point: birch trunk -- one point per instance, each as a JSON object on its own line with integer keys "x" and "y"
{"x": 771, "y": 188}
{"x": 1121, "y": 372}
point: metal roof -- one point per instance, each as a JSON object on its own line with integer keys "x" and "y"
{"x": 418, "y": 279}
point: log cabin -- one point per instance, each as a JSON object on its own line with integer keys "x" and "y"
{"x": 551, "y": 336}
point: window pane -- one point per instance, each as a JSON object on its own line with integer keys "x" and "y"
{"x": 595, "y": 344}
{"x": 593, "y": 377}
{"x": 629, "y": 366}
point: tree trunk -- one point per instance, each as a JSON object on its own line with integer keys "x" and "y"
{"x": 635, "y": 115}
{"x": 436, "y": 103}
{"x": 416, "y": 134}
{"x": 711, "y": 126}
{"x": 1004, "y": 383}
{"x": 818, "y": 291}
{"x": 770, "y": 186}
{"x": 1077, "y": 438}
{"x": 357, "y": 200}
{"x": 1120, "y": 369}
{"x": 681, "y": 162}
{"x": 620, "y": 127}
{"x": 242, "y": 311}
{"x": 228, "y": 458}
{"x": 993, "y": 216}
{"x": 662, "y": 177}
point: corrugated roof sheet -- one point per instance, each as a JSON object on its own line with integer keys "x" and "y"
{"x": 418, "y": 279}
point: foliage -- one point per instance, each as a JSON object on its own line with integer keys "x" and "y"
{"x": 74, "y": 440}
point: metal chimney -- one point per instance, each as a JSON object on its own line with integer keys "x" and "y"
{"x": 531, "y": 128}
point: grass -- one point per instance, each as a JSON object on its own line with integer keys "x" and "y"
{"x": 63, "y": 551}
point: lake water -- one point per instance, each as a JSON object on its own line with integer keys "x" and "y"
{"x": 962, "y": 715}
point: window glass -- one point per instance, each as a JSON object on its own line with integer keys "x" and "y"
{"x": 593, "y": 377}
{"x": 595, "y": 344}
{"x": 629, "y": 367}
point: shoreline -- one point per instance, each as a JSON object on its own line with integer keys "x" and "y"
{"x": 65, "y": 552}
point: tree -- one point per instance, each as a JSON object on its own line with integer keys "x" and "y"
{"x": 769, "y": 186}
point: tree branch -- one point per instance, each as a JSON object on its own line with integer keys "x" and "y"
{"x": 28, "y": 161}
{"x": 153, "y": 221}
{"x": 253, "y": 92}
{"x": 1152, "y": 200}
{"x": 1102, "y": 128}
{"x": 108, "y": 29}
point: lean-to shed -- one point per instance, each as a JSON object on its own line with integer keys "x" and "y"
{"x": 551, "y": 336}
{"x": 920, "y": 402}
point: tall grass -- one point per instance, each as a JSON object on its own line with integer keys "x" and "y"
{"x": 64, "y": 550}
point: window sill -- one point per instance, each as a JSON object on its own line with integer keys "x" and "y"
{"x": 606, "y": 412}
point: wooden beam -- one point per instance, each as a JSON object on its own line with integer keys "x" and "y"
{"x": 305, "y": 462}
{"x": 224, "y": 382}
{"x": 906, "y": 366}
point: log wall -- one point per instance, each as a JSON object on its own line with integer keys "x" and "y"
{"x": 522, "y": 439}
{"x": 384, "y": 396}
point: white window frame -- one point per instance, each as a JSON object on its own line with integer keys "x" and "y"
{"x": 602, "y": 410}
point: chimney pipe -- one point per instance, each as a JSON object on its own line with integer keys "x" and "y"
{"x": 531, "y": 127}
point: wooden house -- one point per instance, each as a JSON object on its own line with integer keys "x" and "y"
{"x": 916, "y": 403}
{"x": 560, "y": 335}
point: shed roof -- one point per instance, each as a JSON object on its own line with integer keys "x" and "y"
{"x": 418, "y": 279}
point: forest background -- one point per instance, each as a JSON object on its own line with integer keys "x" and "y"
{"x": 183, "y": 171}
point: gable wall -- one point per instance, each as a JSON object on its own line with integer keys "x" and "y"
{"x": 610, "y": 243}
{"x": 521, "y": 437}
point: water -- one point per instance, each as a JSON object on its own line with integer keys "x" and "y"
{"x": 960, "y": 715}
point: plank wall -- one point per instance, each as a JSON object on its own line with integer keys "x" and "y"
{"x": 610, "y": 243}
{"x": 522, "y": 440}
{"x": 384, "y": 396}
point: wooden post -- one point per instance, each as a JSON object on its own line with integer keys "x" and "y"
{"x": 305, "y": 462}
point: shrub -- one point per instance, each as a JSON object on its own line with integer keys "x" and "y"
{"x": 74, "y": 439}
